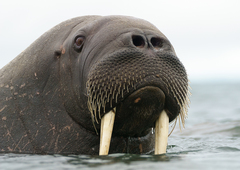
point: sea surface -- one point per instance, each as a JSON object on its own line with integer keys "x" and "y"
{"x": 210, "y": 140}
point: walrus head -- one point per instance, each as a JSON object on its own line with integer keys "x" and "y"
{"x": 130, "y": 70}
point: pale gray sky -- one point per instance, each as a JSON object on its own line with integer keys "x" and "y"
{"x": 204, "y": 33}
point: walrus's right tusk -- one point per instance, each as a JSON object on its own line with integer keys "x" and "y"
{"x": 107, "y": 122}
{"x": 161, "y": 133}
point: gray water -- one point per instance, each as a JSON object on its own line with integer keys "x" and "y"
{"x": 211, "y": 140}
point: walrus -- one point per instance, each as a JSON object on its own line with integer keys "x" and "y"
{"x": 93, "y": 85}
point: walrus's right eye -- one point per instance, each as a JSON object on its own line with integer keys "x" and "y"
{"x": 78, "y": 44}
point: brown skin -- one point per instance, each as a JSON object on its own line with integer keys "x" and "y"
{"x": 44, "y": 92}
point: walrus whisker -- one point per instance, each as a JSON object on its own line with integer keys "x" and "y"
{"x": 180, "y": 84}
{"x": 99, "y": 110}
{"x": 104, "y": 108}
{"x": 119, "y": 90}
{"x": 95, "y": 114}
{"x": 182, "y": 112}
{"x": 108, "y": 98}
{"x": 93, "y": 122}
{"x": 175, "y": 122}
{"x": 111, "y": 91}
{"x": 111, "y": 101}
{"x": 116, "y": 97}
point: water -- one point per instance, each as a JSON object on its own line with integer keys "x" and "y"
{"x": 211, "y": 140}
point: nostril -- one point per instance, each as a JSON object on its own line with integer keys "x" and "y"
{"x": 138, "y": 41}
{"x": 157, "y": 42}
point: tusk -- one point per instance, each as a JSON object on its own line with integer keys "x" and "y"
{"x": 161, "y": 133}
{"x": 107, "y": 122}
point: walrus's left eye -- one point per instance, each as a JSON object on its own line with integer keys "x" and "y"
{"x": 78, "y": 44}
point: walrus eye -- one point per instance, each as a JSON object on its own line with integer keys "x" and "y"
{"x": 78, "y": 44}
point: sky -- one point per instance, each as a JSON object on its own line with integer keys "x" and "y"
{"x": 205, "y": 33}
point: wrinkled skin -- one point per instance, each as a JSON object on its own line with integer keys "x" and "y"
{"x": 44, "y": 92}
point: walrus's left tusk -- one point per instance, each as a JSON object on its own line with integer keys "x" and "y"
{"x": 107, "y": 122}
{"x": 161, "y": 133}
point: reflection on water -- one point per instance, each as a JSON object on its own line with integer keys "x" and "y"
{"x": 24, "y": 161}
{"x": 95, "y": 161}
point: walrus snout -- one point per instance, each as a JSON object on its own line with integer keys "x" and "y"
{"x": 115, "y": 77}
